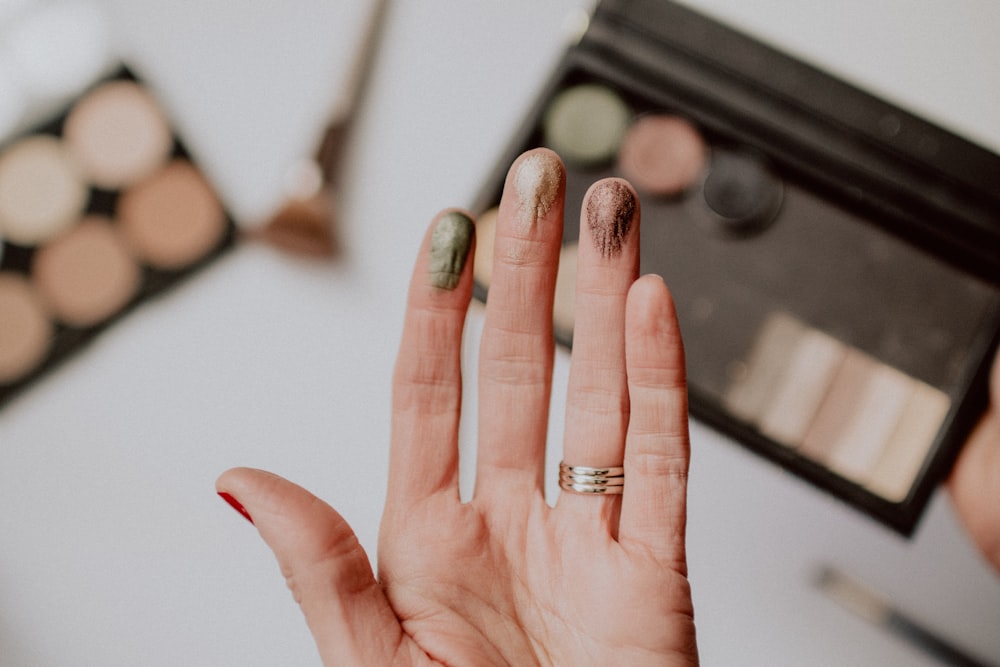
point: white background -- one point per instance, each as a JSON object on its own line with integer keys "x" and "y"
{"x": 114, "y": 548}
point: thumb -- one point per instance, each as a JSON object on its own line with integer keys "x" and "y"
{"x": 324, "y": 565}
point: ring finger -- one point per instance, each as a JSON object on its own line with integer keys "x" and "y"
{"x": 597, "y": 403}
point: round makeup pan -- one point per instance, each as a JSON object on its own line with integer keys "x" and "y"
{"x": 25, "y": 329}
{"x": 741, "y": 191}
{"x": 86, "y": 275}
{"x": 662, "y": 154}
{"x": 41, "y": 190}
{"x": 173, "y": 218}
{"x": 585, "y": 124}
{"x": 118, "y": 135}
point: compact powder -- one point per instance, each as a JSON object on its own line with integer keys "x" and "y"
{"x": 662, "y": 154}
{"x": 86, "y": 275}
{"x": 585, "y": 124}
{"x": 173, "y": 218}
{"x": 41, "y": 191}
{"x": 118, "y": 134}
{"x": 25, "y": 330}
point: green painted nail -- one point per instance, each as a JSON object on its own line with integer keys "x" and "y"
{"x": 450, "y": 243}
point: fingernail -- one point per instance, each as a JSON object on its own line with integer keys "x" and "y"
{"x": 537, "y": 184}
{"x": 235, "y": 504}
{"x": 610, "y": 208}
{"x": 450, "y": 243}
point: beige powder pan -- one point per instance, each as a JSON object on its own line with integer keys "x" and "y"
{"x": 25, "y": 329}
{"x": 41, "y": 190}
{"x": 118, "y": 135}
{"x": 86, "y": 275}
{"x": 173, "y": 218}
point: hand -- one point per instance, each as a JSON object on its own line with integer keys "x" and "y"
{"x": 975, "y": 480}
{"x": 506, "y": 579}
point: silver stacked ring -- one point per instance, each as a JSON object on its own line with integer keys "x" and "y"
{"x": 589, "y": 480}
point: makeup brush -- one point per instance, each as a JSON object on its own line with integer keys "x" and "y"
{"x": 304, "y": 225}
{"x": 878, "y": 610}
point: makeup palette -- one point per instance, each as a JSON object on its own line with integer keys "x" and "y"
{"x": 835, "y": 260}
{"x": 101, "y": 209}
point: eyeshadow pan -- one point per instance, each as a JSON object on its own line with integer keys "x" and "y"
{"x": 909, "y": 445}
{"x": 662, "y": 154}
{"x": 173, "y": 218}
{"x": 41, "y": 190}
{"x": 812, "y": 365}
{"x": 86, "y": 275}
{"x": 25, "y": 330}
{"x": 838, "y": 407}
{"x": 585, "y": 124}
{"x": 883, "y": 395}
{"x": 741, "y": 191}
{"x": 754, "y": 380}
{"x": 118, "y": 134}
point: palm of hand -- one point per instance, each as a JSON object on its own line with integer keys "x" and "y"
{"x": 519, "y": 586}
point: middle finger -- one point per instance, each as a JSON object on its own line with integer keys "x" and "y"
{"x": 517, "y": 348}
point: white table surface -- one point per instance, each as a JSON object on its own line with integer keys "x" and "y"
{"x": 114, "y": 548}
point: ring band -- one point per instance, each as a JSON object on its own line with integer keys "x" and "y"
{"x": 592, "y": 480}
{"x": 588, "y": 480}
{"x": 616, "y": 471}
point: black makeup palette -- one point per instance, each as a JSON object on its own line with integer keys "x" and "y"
{"x": 835, "y": 260}
{"x": 101, "y": 209}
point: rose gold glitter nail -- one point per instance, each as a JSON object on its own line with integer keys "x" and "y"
{"x": 609, "y": 210}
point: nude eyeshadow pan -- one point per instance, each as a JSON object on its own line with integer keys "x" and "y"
{"x": 25, "y": 329}
{"x": 101, "y": 209}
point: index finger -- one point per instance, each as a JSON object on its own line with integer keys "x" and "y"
{"x": 427, "y": 382}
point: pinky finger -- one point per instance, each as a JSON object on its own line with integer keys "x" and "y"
{"x": 657, "y": 448}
